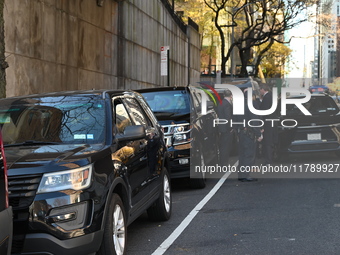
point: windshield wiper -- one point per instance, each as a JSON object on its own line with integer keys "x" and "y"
{"x": 30, "y": 142}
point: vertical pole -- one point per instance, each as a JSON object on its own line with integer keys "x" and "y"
{"x": 189, "y": 53}
{"x": 120, "y": 46}
{"x": 232, "y": 52}
{"x": 168, "y": 69}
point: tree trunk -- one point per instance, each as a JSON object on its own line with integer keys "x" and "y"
{"x": 244, "y": 57}
{"x": 260, "y": 57}
{"x": 211, "y": 49}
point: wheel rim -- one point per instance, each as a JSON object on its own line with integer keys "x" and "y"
{"x": 167, "y": 194}
{"x": 118, "y": 230}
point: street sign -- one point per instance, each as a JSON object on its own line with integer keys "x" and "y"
{"x": 164, "y": 60}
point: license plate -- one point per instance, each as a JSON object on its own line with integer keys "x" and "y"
{"x": 314, "y": 136}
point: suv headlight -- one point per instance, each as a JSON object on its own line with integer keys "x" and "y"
{"x": 182, "y": 128}
{"x": 178, "y": 129}
{"x": 75, "y": 179}
{"x": 181, "y": 134}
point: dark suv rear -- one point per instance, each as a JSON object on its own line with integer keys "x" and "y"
{"x": 188, "y": 133}
{"x": 318, "y": 132}
{"x": 6, "y": 222}
{"x": 82, "y": 166}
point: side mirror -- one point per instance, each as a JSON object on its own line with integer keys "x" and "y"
{"x": 133, "y": 133}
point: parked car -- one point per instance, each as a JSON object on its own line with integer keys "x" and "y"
{"x": 318, "y": 132}
{"x": 319, "y": 89}
{"x": 188, "y": 133}
{"x": 82, "y": 166}
{"x": 6, "y": 215}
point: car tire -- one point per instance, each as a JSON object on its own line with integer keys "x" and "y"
{"x": 199, "y": 182}
{"x": 161, "y": 209}
{"x": 115, "y": 231}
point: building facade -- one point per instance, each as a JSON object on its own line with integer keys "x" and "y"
{"x": 326, "y": 60}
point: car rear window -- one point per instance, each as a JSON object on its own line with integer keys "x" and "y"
{"x": 317, "y": 105}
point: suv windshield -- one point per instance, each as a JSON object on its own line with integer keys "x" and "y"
{"x": 174, "y": 102}
{"x": 66, "y": 120}
{"x": 317, "y": 105}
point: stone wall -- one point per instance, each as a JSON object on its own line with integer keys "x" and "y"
{"x": 56, "y": 45}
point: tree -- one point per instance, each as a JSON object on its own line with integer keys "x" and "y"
{"x": 3, "y": 63}
{"x": 254, "y": 23}
{"x": 274, "y": 59}
{"x": 201, "y": 14}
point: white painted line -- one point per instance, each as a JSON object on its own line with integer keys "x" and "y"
{"x": 178, "y": 231}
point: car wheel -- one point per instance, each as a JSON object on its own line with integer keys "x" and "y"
{"x": 200, "y": 181}
{"x": 161, "y": 209}
{"x": 114, "y": 239}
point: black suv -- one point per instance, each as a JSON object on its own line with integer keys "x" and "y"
{"x": 189, "y": 134}
{"x": 82, "y": 166}
{"x": 6, "y": 222}
{"x": 318, "y": 132}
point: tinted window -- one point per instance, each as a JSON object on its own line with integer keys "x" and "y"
{"x": 174, "y": 101}
{"x": 122, "y": 118}
{"x": 147, "y": 109}
{"x": 54, "y": 119}
{"x": 318, "y": 105}
{"x": 137, "y": 112}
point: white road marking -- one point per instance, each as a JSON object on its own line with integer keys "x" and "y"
{"x": 178, "y": 231}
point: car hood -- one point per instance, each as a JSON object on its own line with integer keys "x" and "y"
{"x": 49, "y": 158}
{"x": 174, "y": 119}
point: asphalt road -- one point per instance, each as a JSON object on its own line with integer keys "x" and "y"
{"x": 270, "y": 216}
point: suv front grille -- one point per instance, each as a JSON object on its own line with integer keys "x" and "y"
{"x": 170, "y": 130}
{"x": 22, "y": 190}
{"x": 166, "y": 129}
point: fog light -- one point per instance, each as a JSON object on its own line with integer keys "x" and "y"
{"x": 74, "y": 216}
{"x": 63, "y": 217}
{"x": 183, "y": 161}
{"x": 180, "y": 137}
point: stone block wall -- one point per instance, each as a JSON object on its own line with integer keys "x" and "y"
{"x": 56, "y": 45}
